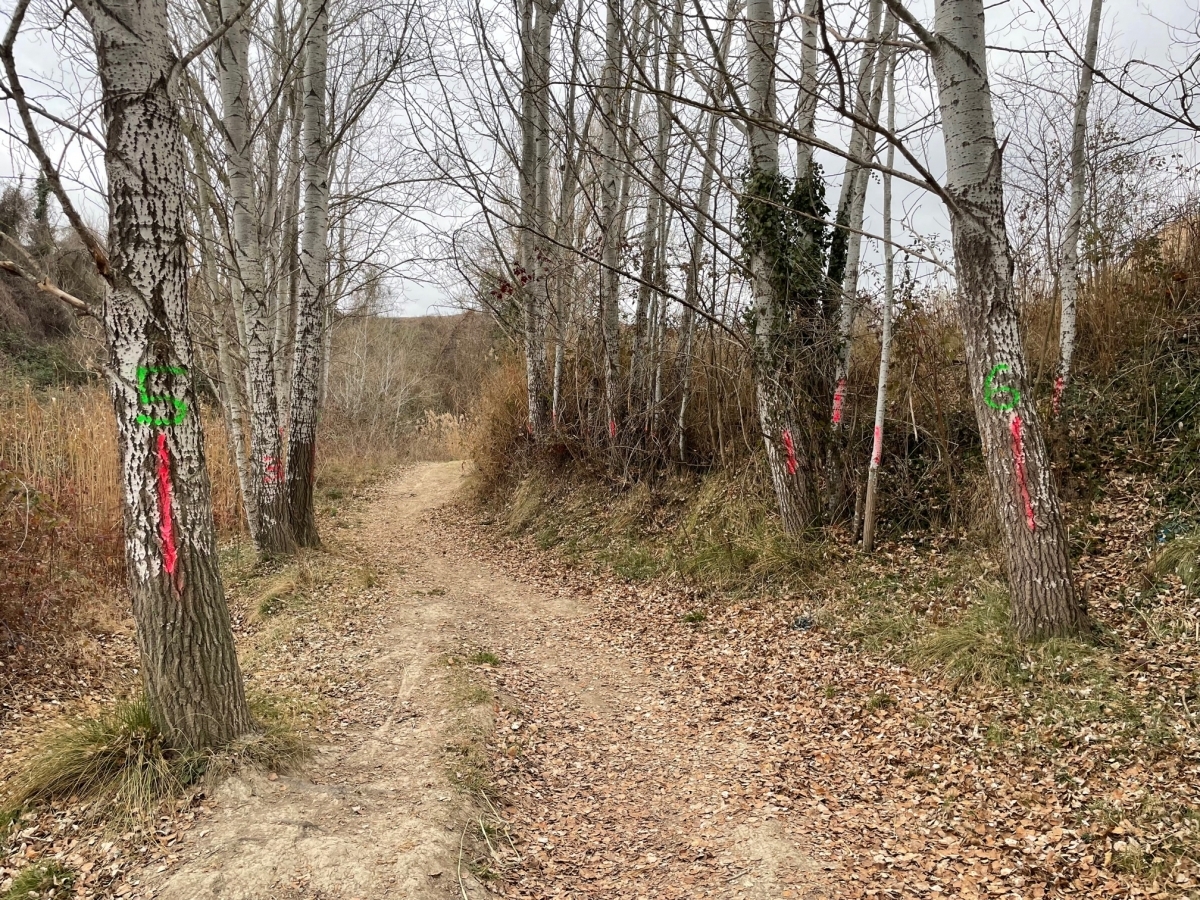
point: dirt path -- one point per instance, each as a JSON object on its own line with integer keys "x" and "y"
{"x": 627, "y": 803}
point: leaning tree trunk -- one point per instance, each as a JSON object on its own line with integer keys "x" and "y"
{"x": 189, "y": 663}
{"x": 1070, "y": 260}
{"x": 885, "y": 340}
{"x": 310, "y": 301}
{"x": 1044, "y": 602}
{"x": 274, "y": 532}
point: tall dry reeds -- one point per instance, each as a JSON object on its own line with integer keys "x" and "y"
{"x": 62, "y": 444}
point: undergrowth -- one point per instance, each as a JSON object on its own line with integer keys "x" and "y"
{"x": 42, "y": 881}
{"x": 122, "y": 766}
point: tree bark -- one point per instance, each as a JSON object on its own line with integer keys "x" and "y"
{"x": 858, "y": 137}
{"x": 610, "y": 254}
{"x": 189, "y": 663}
{"x": 1069, "y": 278}
{"x": 1044, "y": 601}
{"x": 274, "y": 534}
{"x": 885, "y": 340}
{"x": 691, "y": 289}
{"x": 788, "y": 459}
{"x": 311, "y": 293}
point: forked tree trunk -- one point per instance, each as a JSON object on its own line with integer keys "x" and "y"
{"x": 310, "y": 302}
{"x": 1044, "y": 602}
{"x": 273, "y": 534}
{"x": 885, "y": 340}
{"x": 189, "y": 663}
{"x": 1070, "y": 260}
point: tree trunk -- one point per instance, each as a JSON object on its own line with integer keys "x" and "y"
{"x": 1070, "y": 259}
{"x": 885, "y": 340}
{"x": 853, "y": 204}
{"x": 610, "y": 254}
{"x": 858, "y": 137}
{"x": 230, "y": 368}
{"x": 189, "y": 663}
{"x": 691, "y": 289}
{"x": 1044, "y": 602}
{"x": 274, "y": 532}
{"x": 310, "y": 302}
{"x": 788, "y": 459}
{"x": 840, "y": 468}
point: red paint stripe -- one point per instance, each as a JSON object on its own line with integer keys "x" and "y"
{"x": 612, "y": 428}
{"x": 839, "y": 397}
{"x": 877, "y": 453}
{"x": 791, "y": 451}
{"x": 1019, "y": 461}
{"x": 166, "y": 528}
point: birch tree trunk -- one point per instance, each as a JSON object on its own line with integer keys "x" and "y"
{"x": 858, "y": 137}
{"x": 806, "y": 101}
{"x": 610, "y": 254}
{"x": 1069, "y": 278}
{"x": 885, "y": 340}
{"x": 311, "y": 293}
{"x": 853, "y": 204}
{"x": 793, "y": 474}
{"x": 1044, "y": 602}
{"x": 231, "y": 370}
{"x": 189, "y": 663}
{"x": 274, "y": 532}
{"x": 691, "y": 289}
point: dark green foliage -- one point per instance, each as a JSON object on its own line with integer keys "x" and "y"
{"x": 785, "y": 222}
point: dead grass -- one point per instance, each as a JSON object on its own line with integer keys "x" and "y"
{"x": 42, "y": 881}
{"x": 119, "y": 766}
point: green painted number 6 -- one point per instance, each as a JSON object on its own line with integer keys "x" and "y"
{"x": 1010, "y": 396}
{"x": 146, "y": 400}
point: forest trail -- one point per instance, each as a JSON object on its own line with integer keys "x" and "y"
{"x": 630, "y": 809}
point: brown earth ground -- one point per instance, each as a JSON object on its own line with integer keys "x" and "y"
{"x": 387, "y": 807}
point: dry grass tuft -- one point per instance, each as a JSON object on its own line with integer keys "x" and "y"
{"x": 42, "y": 881}
{"x": 123, "y": 766}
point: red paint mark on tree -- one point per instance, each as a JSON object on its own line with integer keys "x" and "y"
{"x": 1056, "y": 399}
{"x": 791, "y": 451}
{"x": 839, "y": 397}
{"x": 166, "y": 528}
{"x": 272, "y": 470}
{"x": 877, "y": 453}
{"x": 1019, "y": 461}
{"x": 612, "y": 428}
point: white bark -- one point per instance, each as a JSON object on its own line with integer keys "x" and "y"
{"x": 852, "y": 203}
{"x": 1070, "y": 260}
{"x": 885, "y": 338}
{"x": 610, "y": 255}
{"x": 1033, "y": 533}
{"x": 654, "y": 234}
{"x": 189, "y": 664}
{"x": 311, "y": 293}
{"x": 691, "y": 290}
{"x": 273, "y": 532}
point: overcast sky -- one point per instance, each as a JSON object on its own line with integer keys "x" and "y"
{"x": 51, "y": 63}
